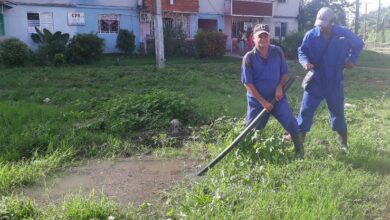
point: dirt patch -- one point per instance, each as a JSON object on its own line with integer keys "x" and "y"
{"x": 125, "y": 180}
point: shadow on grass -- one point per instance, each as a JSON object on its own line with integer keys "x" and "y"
{"x": 371, "y": 160}
{"x": 359, "y": 157}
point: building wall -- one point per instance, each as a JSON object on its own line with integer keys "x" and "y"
{"x": 211, "y": 6}
{"x": 15, "y": 21}
{"x": 110, "y": 3}
{"x": 286, "y": 12}
{"x": 288, "y": 9}
{"x": 191, "y": 6}
{"x": 218, "y": 17}
{"x": 212, "y": 10}
{"x": 128, "y": 20}
{"x": 18, "y": 15}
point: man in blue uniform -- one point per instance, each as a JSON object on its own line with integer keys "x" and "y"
{"x": 264, "y": 72}
{"x": 326, "y": 50}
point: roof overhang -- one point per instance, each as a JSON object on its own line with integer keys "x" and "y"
{"x": 6, "y": 4}
{"x": 251, "y": 8}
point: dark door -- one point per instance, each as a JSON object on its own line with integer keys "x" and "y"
{"x": 207, "y": 24}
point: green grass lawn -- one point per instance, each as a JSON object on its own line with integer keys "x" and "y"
{"x": 52, "y": 115}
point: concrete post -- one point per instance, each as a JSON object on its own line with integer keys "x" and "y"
{"x": 158, "y": 35}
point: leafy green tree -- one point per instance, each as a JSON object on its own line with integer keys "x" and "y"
{"x": 49, "y": 44}
{"x": 369, "y": 26}
{"x": 308, "y": 11}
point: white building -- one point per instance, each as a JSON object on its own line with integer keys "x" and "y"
{"x": 242, "y": 15}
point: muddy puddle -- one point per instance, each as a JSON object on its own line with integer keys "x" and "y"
{"x": 125, "y": 180}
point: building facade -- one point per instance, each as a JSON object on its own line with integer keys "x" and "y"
{"x": 103, "y": 18}
{"x": 242, "y": 15}
{"x": 18, "y": 18}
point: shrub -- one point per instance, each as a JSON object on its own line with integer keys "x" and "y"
{"x": 18, "y": 208}
{"x": 291, "y": 44}
{"x": 125, "y": 41}
{"x": 153, "y": 110}
{"x": 85, "y": 48}
{"x": 210, "y": 44}
{"x": 59, "y": 59}
{"x": 174, "y": 38}
{"x": 175, "y": 43}
{"x": 14, "y": 52}
{"x": 49, "y": 45}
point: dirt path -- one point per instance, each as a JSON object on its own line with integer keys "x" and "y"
{"x": 123, "y": 180}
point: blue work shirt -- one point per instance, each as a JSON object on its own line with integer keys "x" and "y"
{"x": 264, "y": 74}
{"x": 343, "y": 46}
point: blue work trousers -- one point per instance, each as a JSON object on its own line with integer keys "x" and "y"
{"x": 281, "y": 112}
{"x": 312, "y": 98}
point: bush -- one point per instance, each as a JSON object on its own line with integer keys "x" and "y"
{"x": 153, "y": 110}
{"x": 59, "y": 59}
{"x": 14, "y": 52}
{"x": 85, "y": 48}
{"x": 18, "y": 208}
{"x": 125, "y": 41}
{"x": 49, "y": 45}
{"x": 210, "y": 44}
{"x": 175, "y": 43}
{"x": 291, "y": 44}
{"x": 174, "y": 38}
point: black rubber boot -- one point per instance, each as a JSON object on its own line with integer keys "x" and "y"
{"x": 343, "y": 138}
{"x": 287, "y": 136}
{"x": 298, "y": 145}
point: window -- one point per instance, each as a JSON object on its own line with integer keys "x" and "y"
{"x": 277, "y": 31}
{"x": 1, "y": 25}
{"x": 244, "y": 24}
{"x": 281, "y": 30}
{"x": 208, "y": 24}
{"x": 282, "y": 1}
{"x": 40, "y": 20}
{"x": 284, "y": 28}
{"x": 109, "y": 23}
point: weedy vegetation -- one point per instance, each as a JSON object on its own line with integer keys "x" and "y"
{"x": 52, "y": 117}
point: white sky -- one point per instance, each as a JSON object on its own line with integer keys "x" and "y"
{"x": 372, "y": 5}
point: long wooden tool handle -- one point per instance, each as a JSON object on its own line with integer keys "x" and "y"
{"x": 242, "y": 134}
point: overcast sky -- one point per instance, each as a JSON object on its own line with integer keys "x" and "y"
{"x": 372, "y": 5}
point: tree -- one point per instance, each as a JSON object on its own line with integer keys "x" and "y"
{"x": 370, "y": 22}
{"x": 308, "y": 11}
{"x": 49, "y": 44}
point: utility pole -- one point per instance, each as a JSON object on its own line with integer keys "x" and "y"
{"x": 357, "y": 17}
{"x": 158, "y": 34}
{"x": 365, "y": 23}
{"x": 377, "y": 21}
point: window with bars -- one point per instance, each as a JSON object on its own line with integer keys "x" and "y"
{"x": 109, "y": 23}
{"x": 173, "y": 21}
{"x": 41, "y": 20}
{"x": 177, "y": 21}
{"x": 244, "y": 24}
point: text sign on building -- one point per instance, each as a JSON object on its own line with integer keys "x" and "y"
{"x": 76, "y": 18}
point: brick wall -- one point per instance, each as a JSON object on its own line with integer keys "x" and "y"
{"x": 178, "y": 5}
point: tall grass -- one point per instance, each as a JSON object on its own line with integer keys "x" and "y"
{"x": 27, "y": 172}
{"x": 259, "y": 180}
